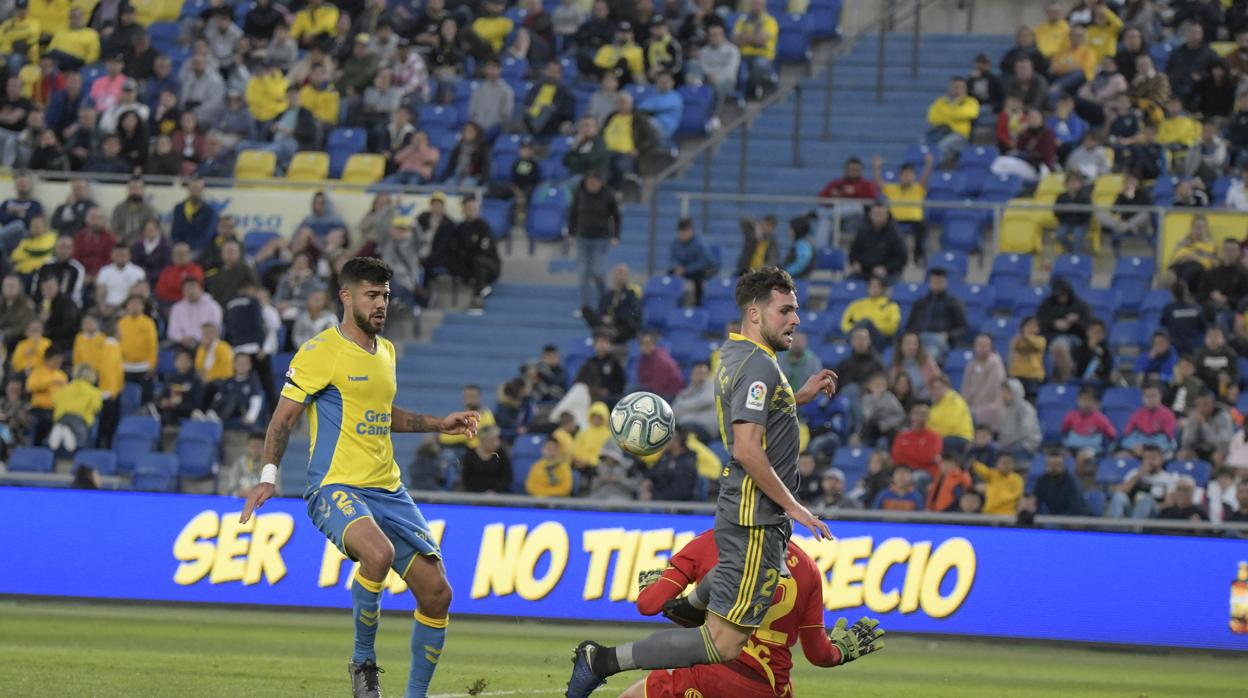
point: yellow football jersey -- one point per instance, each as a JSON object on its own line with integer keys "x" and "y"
{"x": 350, "y": 392}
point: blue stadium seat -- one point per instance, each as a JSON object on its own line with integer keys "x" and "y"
{"x": 1155, "y": 302}
{"x": 1077, "y": 269}
{"x": 1132, "y": 290}
{"x": 255, "y": 240}
{"x": 908, "y": 293}
{"x": 977, "y": 157}
{"x": 1029, "y": 299}
{"x": 520, "y": 472}
{"x": 163, "y": 35}
{"x": 954, "y": 263}
{"x": 852, "y": 461}
{"x": 846, "y": 292}
{"x": 694, "y": 319}
{"x": 721, "y": 312}
{"x": 957, "y": 360}
{"x": 1112, "y": 471}
{"x": 827, "y": 17}
{"x": 664, "y": 287}
{"x": 944, "y": 186}
{"x": 655, "y": 311}
{"x": 1198, "y": 470}
{"x": 514, "y": 69}
{"x": 687, "y": 348}
{"x": 342, "y": 144}
{"x": 833, "y": 354}
{"x": 793, "y": 44}
{"x": 1095, "y": 499}
{"x": 1217, "y": 193}
{"x": 962, "y": 231}
{"x": 1127, "y": 336}
{"x": 830, "y": 258}
{"x": 1057, "y": 396}
{"x": 1118, "y": 415}
{"x": 699, "y": 108}
{"x": 198, "y": 449}
{"x": 817, "y": 325}
{"x": 103, "y": 462}
{"x": 1001, "y": 328}
{"x": 916, "y": 155}
{"x": 1122, "y": 397}
{"x": 1011, "y": 266}
{"x": 31, "y": 459}
{"x": 497, "y": 213}
{"x": 155, "y": 472}
{"x": 1000, "y": 188}
{"x": 135, "y": 436}
{"x": 131, "y": 398}
{"x": 1103, "y": 302}
{"x": 720, "y": 288}
{"x": 528, "y": 446}
{"x": 546, "y": 221}
{"x": 980, "y": 296}
{"x": 1134, "y": 266}
{"x": 437, "y": 116}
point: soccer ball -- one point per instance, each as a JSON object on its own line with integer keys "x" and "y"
{"x": 642, "y": 423}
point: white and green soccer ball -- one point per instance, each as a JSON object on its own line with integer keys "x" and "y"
{"x": 642, "y": 423}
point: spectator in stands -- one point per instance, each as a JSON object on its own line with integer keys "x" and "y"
{"x": 1063, "y": 318}
{"x": 15, "y": 109}
{"x": 138, "y": 342}
{"x": 981, "y": 384}
{"x": 357, "y": 72}
{"x": 401, "y": 250}
{"x": 799, "y": 260}
{"x": 949, "y": 415}
{"x": 234, "y": 273}
{"x": 1182, "y": 318}
{"x": 1189, "y": 62}
{"x": 938, "y": 317}
{"x": 628, "y": 138}
{"x": 203, "y": 90}
{"x": 918, "y": 447}
{"x": 1237, "y": 193}
{"x": 756, "y": 33}
{"x": 30, "y": 350}
{"x": 67, "y": 272}
{"x": 1157, "y": 364}
{"x": 1086, "y": 427}
{"x": 622, "y": 56}
{"x": 592, "y": 34}
{"x": 690, "y": 258}
{"x": 905, "y": 197}
{"x": 1053, "y": 35}
{"x": 877, "y": 249}
{"x": 694, "y": 406}
{"x": 470, "y": 158}
{"x": 1056, "y": 491}
{"x": 1094, "y": 99}
{"x": 267, "y": 93}
{"x": 1182, "y": 506}
{"x": 913, "y": 360}
{"x": 901, "y": 494}
{"x": 862, "y": 361}
{"x": 151, "y": 251}
{"x": 984, "y": 85}
{"x": 876, "y": 312}
{"x": 1027, "y": 86}
{"x": 1093, "y": 361}
{"x": 1216, "y": 365}
{"x": 237, "y": 400}
{"x": 318, "y": 18}
{"x": 1027, "y": 351}
{"x": 16, "y": 311}
{"x": 1207, "y": 431}
{"x": 313, "y": 318}
{"x": 589, "y": 441}
{"x": 566, "y": 19}
{"x": 851, "y": 185}
{"x": 657, "y": 371}
{"x": 1024, "y": 48}
{"x": 588, "y": 151}
{"x": 492, "y": 100}
{"x": 487, "y": 467}
{"x": 602, "y": 372}
{"x": 716, "y": 64}
{"x": 664, "y": 105}
{"x": 482, "y": 264}
{"x": 1153, "y": 423}
{"x": 43, "y": 382}
{"x": 17, "y": 211}
{"x": 664, "y": 52}
{"x": 70, "y": 217}
{"x": 108, "y": 160}
{"x": 1121, "y": 223}
{"x": 1190, "y": 193}
{"x": 74, "y": 409}
{"x": 318, "y": 96}
{"x": 1103, "y": 31}
{"x": 950, "y": 484}
{"x": 1208, "y": 158}
{"x": 950, "y": 118}
{"x": 414, "y": 159}
{"x": 514, "y": 410}
{"x": 32, "y": 251}
{"x": 189, "y": 315}
{"x": 93, "y": 244}
{"x": 113, "y": 283}
{"x": 214, "y": 358}
{"x": 614, "y": 478}
{"x": 594, "y": 220}
{"x": 1000, "y": 485}
{"x": 132, "y": 213}
{"x": 674, "y": 478}
{"x": 1240, "y": 515}
{"x": 194, "y": 219}
{"x": 1223, "y": 287}
{"x": 758, "y": 244}
{"x": 549, "y": 476}
{"x": 882, "y": 414}
{"x": 549, "y": 105}
{"x": 800, "y": 363}
{"x": 1070, "y": 67}
{"x": 1068, "y": 128}
{"x": 170, "y": 283}
{"x": 1034, "y": 152}
{"x": 552, "y": 378}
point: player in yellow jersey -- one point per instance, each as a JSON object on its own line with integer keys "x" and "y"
{"x": 346, "y": 376}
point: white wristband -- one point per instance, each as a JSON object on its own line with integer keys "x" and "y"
{"x": 269, "y": 474}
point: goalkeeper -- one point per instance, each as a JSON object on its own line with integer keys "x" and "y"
{"x": 762, "y": 668}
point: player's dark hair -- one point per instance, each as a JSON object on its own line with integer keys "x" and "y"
{"x": 364, "y": 269}
{"x": 756, "y": 286}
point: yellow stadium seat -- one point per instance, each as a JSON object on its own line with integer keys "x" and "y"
{"x": 308, "y": 166}
{"x": 1019, "y": 236}
{"x": 364, "y": 168}
{"x": 1107, "y": 186}
{"x": 1223, "y": 48}
{"x": 1051, "y": 185}
{"x": 255, "y": 164}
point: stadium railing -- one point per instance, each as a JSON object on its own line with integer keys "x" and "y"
{"x": 1083, "y": 523}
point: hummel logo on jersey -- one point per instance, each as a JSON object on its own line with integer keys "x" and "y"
{"x": 357, "y": 378}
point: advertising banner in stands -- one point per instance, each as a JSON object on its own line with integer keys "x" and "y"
{"x": 544, "y": 563}
{"x": 263, "y": 209}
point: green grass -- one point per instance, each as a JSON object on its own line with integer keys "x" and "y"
{"x": 79, "y": 649}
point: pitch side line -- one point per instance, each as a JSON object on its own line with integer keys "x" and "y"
{"x": 543, "y": 692}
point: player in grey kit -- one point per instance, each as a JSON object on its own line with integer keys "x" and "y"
{"x": 757, "y": 412}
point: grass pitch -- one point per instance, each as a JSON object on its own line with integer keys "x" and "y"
{"x": 79, "y": 649}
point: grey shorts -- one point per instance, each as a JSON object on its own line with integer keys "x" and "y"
{"x": 751, "y": 562}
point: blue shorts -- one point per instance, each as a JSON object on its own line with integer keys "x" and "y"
{"x": 334, "y": 508}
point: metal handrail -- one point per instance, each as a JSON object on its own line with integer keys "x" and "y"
{"x": 273, "y": 182}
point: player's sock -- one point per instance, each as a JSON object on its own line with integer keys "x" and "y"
{"x": 428, "y": 637}
{"x": 666, "y": 649}
{"x": 366, "y": 611}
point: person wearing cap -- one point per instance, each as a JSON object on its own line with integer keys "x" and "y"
{"x": 76, "y": 46}
{"x": 127, "y": 102}
{"x": 316, "y": 18}
{"x": 832, "y": 485}
{"x": 492, "y": 100}
{"x": 233, "y": 118}
{"x": 623, "y": 56}
{"x": 266, "y": 93}
{"x": 756, "y": 33}
{"x": 615, "y": 478}
{"x": 401, "y": 250}
{"x": 356, "y": 73}
{"x": 663, "y": 51}
{"x": 880, "y": 315}
{"x": 19, "y": 37}
{"x": 549, "y": 105}
{"x": 492, "y": 27}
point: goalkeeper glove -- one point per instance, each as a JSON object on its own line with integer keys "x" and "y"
{"x": 647, "y": 577}
{"x": 860, "y": 639}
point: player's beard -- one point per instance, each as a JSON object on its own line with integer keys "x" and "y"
{"x": 365, "y": 322}
{"x": 778, "y": 342}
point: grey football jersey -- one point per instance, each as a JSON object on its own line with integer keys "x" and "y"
{"x": 750, "y": 387}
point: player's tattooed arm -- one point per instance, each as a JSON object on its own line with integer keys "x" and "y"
{"x": 285, "y": 417}
{"x": 455, "y": 423}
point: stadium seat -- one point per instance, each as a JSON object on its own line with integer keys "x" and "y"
{"x": 131, "y": 398}
{"x": 720, "y": 288}
{"x": 198, "y": 449}
{"x": 256, "y": 240}
{"x": 832, "y": 354}
{"x": 1011, "y": 266}
{"x": 1095, "y": 499}
{"x": 1127, "y": 336}
{"x": 1000, "y": 188}
{"x": 364, "y": 168}
{"x": 308, "y": 166}
{"x": 1118, "y": 415}
{"x": 497, "y": 213}
{"x": 962, "y": 232}
{"x": 1057, "y": 396}
{"x": 103, "y": 462}
{"x": 953, "y": 262}
{"x": 1122, "y": 397}
{"x": 1028, "y": 300}
{"x": 655, "y": 311}
{"x": 1075, "y": 268}
{"x": 977, "y": 157}
{"x": 1198, "y": 470}
{"x": 1103, "y": 302}
{"x": 135, "y": 436}
{"x": 528, "y": 446}
{"x": 155, "y": 472}
{"x": 341, "y": 144}
{"x": 699, "y": 108}
{"x": 1000, "y": 328}
{"x": 664, "y": 286}
{"x": 1051, "y": 425}
{"x": 815, "y": 324}
{"x": 693, "y": 319}
{"x": 31, "y": 459}
{"x": 721, "y": 311}
{"x": 1134, "y": 266}
{"x": 908, "y": 293}
{"x": 846, "y": 292}
{"x": 827, "y": 18}
{"x": 1132, "y": 290}
{"x": 255, "y": 164}
{"x": 545, "y": 221}
{"x": 1112, "y": 471}
{"x": 853, "y": 462}
{"x": 793, "y": 44}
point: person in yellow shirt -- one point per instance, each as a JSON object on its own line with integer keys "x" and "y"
{"x": 565, "y": 433}
{"x": 34, "y": 249}
{"x": 876, "y": 312}
{"x": 551, "y": 475}
{"x": 1103, "y": 32}
{"x": 1179, "y": 131}
{"x": 1073, "y": 66}
{"x": 319, "y": 17}
{"x": 950, "y": 118}
{"x": 1000, "y": 485}
{"x": 1053, "y": 35}
{"x": 623, "y": 56}
{"x": 30, "y": 351}
{"x": 319, "y": 96}
{"x": 76, "y": 46}
{"x": 214, "y": 359}
{"x": 100, "y": 352}
{"x": 45, "y": 379}
{"x": 472, "y": 403}
{"x": 266, "y": 93}
{"x": 1027, "y": 356}
{"x": 492, "y": 27}
{"x": 136, "y": 333}
{"x": 588, "y": 442}
{"x": 949, "y": 416}
{"x": 905, "y": 199}
{"x": 52, "y": 15}
{"x": 756, "y": 33}
{"x": 19, "y": 36}
{"x": 74, "y": 409}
